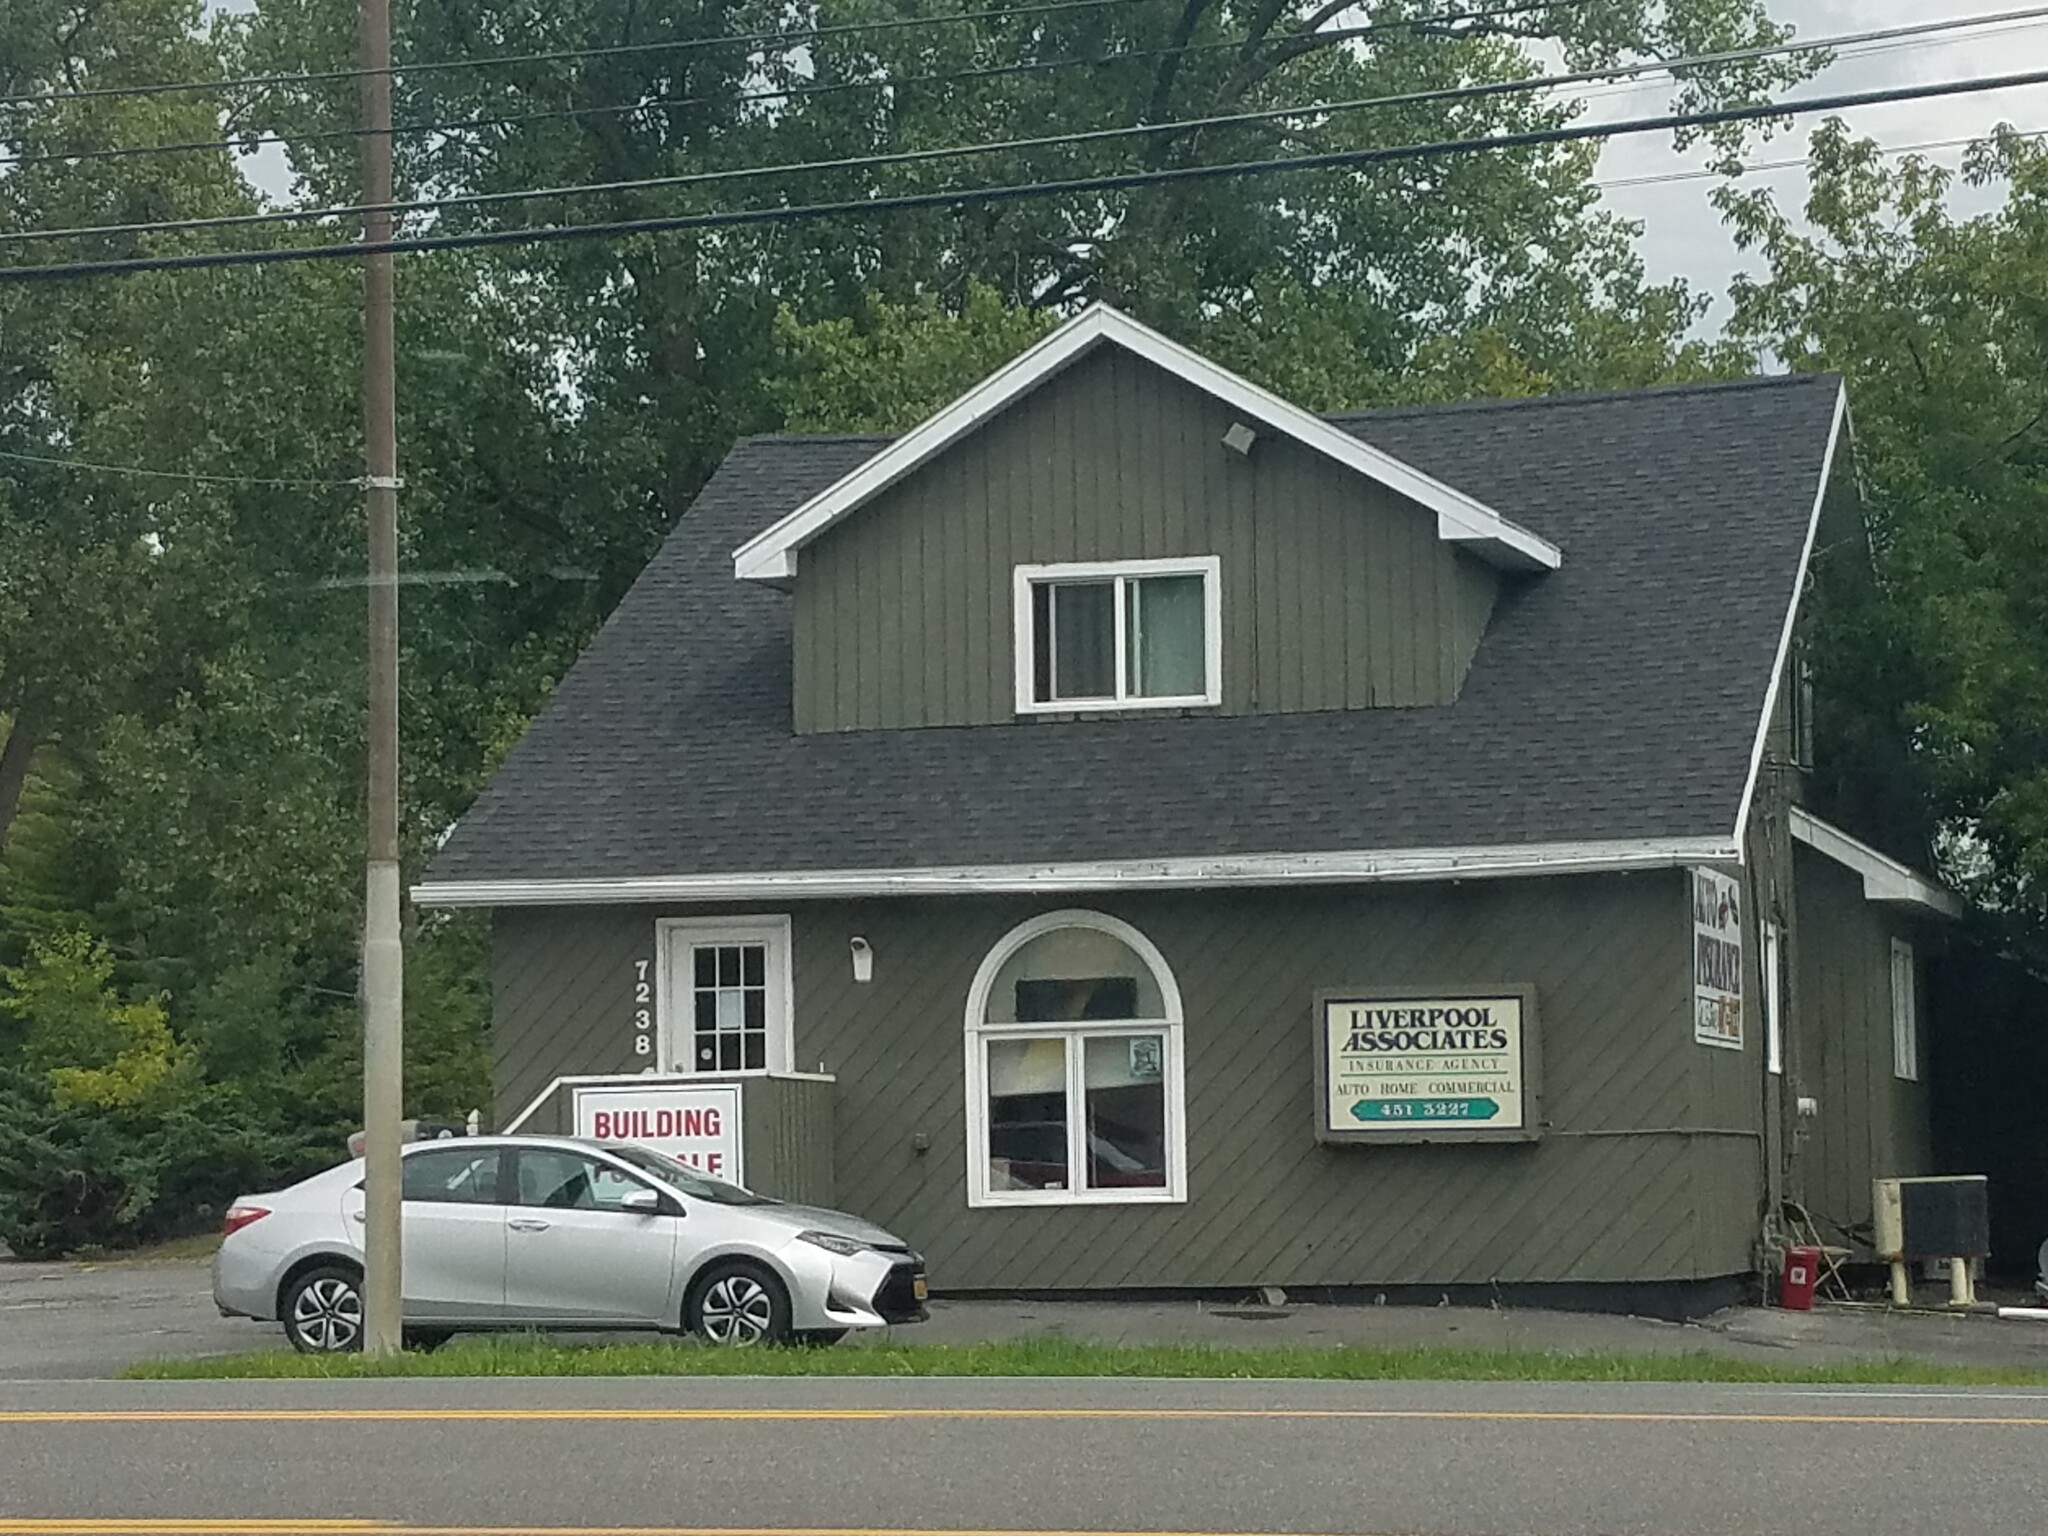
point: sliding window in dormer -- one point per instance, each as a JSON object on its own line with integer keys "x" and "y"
{"x": 1126, "y": 634}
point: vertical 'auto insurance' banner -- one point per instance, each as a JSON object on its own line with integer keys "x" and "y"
{"x": 1716, "y": 959}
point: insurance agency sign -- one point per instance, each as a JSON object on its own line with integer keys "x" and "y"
{"x": 1415, "y": 1066}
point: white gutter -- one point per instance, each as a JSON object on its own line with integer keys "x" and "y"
{"x": 1375, "y": 866}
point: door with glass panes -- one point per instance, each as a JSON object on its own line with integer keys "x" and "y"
{"x": 725, "y": 997}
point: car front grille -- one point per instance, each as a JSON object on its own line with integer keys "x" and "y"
{"x": 895, "y": 1298}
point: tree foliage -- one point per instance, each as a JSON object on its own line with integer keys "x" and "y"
{"x": 1940, "y": 324}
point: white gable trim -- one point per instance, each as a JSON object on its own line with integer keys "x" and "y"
{"x": 772, "y": 554}
{"x": 1763, "y": 728}
{"x": 1486, "y": 862}
{"x": 1886, "y": 881}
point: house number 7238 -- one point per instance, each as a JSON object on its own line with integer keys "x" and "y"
{"x": 643, "y": 1010}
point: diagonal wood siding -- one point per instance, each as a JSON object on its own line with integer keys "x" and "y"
{"x": 1636, "y": 1177}
{"x": 1336, "y": 594}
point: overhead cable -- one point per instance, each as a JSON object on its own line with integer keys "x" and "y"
{"x": 794, "y": 37}
{"x": 455, "y": 125}
{"x": 86, "y": 466}
{"x": 963, "y": 197}
{"x": 1483, "y": 90}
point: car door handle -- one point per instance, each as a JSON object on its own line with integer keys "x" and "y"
{"x": 358, "y": 1216}
{"x": 526, "y": 1224}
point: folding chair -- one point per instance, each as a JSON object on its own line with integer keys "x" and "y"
{"x": 1829, "y": 1283}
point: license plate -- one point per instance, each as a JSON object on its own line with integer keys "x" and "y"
{"x": 920, "y": 1289}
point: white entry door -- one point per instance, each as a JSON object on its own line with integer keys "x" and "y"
{"x": 725, "y": 1004}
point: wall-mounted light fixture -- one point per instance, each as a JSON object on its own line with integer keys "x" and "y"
{"x": 863, "y": 959}
{"x": 1239, "y": 438}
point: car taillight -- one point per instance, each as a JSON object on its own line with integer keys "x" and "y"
{"x": 239, "y": 1216}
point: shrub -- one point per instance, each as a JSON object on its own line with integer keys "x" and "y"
{"x": 82, "y": 1177}
{"x": 94, "y": 1048}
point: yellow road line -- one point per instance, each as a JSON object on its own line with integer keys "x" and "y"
{"x": 840, "y": 1415}
{"x": 192, "y": 1528}
{"x": 81, "y": 1526}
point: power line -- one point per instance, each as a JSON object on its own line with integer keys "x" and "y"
{"x": 672, "y": 45}
{"x": 782, "y": 93}
{"x": 1746, "y": 167}
{"x": 1888, "y": 36}
{"x": 166, "y": 474}
{"x": 441, "y": 578}
{"x": 678, "y": 45}
{"x": 1018, "y": 192}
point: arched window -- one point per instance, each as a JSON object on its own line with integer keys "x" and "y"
{"x": 1074, "y": 1091}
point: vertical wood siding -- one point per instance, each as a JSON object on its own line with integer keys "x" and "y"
{"x": 1871, "y": 1124}
{"x": 1336, "y": 594}
{"x": 1634, "y": 1179}
{"x": 787, "y": 1123}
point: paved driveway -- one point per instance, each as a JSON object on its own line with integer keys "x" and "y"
{"x": 76, "y": 1321}
{"x": 62, "y": 1321}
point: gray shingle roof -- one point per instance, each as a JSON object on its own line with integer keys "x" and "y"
{"x": 1615, "y": 698}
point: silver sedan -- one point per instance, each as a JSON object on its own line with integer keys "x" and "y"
{"x": 558, "y": 1233}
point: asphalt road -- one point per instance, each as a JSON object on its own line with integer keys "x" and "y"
{"x": 878, "y": 1456}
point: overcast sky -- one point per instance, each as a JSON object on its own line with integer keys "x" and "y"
{"x": 1681, "y": 234}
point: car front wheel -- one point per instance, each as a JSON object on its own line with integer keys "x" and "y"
{"x": 323, "y": 1311}
{"x": 734, "y": 1302}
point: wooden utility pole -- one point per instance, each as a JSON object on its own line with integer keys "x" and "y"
{"x": 383, "y": 955}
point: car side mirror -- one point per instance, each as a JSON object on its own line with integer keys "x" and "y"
{"x": 641, "y": 1202}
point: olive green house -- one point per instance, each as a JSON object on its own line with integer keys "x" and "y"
{"x": 1131, "y": 833}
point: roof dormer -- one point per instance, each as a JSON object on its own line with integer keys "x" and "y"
{"x": 1113, "y": 524}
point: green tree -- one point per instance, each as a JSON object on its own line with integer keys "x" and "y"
{"x": 77, "y": 551}
{"x": 1940, "y": 325}
{"x": 669, "y": 345}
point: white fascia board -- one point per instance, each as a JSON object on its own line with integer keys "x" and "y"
{"x": 772, "y": 554}
{"x": 1886, "y": 882}
{"x": 1376, "y": 866}
{"x": 1784, "y": 652}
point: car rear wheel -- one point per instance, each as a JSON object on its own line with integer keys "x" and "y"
{"x": 323, "y": 1310}
{"x": 734, "y": 1302}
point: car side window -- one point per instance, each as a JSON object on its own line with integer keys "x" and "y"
{"x": 570, "y": 1181}
{"x": 452, "y": 1176}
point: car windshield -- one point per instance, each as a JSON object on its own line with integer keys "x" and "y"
{"x": 688, "y": 1180}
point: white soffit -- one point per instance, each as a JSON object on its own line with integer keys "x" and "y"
{"x": 1886, "y": 881}
{"x": 1491, "y": 862}
{"x": 772, "y": 554}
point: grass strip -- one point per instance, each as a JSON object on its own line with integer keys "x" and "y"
{"x": 522, "y": 1355}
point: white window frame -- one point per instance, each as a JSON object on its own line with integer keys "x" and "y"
{"x": 979, "y": 1033}
{"x": 1905, "y": 1013}
{"x": 1773, "y": 947}
{"x": 1120, "y": 572}
{"x": 673, "y": 994}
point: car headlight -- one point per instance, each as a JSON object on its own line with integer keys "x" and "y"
{"x": 832, "y": 1242}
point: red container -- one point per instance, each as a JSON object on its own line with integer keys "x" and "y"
{"x": 1802, "y": 1274}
